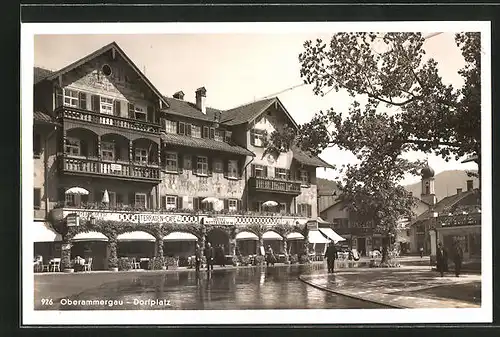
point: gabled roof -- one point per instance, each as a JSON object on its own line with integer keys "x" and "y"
{"x": 204, "y": 143}
{"x": 106, "y": 48}
{"x": 307, "y": 159}
{"x": 187, "y": 109}
{"x": 39, "y": 74}
{"x": 248, "y": 112}
{"x": 445, "y": 204}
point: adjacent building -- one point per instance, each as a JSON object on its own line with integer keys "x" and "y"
{"x": 123, "y": 170}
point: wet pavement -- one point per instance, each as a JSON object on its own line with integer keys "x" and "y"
{"x": 405, "y": 287}
{"x": 276, "y": 287}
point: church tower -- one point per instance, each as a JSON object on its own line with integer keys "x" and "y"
{"x": 428, "y": 194}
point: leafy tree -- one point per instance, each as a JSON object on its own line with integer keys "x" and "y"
{"x": 401, "y": 104}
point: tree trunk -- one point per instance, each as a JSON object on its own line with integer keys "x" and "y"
{"x": 385, "y": 253}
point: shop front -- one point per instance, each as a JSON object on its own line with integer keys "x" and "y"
{"x": 247, "y": 243}
{"x": 179, "y": 244}
{"x": 46, "y": 242}
{"x": 91, "y": 245}
{"x": 137, "y": 245}
{"x": 273, "y": 240}
{"x": 295, "y": 243}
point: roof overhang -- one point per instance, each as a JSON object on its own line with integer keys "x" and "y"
{"x": 113, "y": 46}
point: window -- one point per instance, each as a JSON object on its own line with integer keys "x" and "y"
{"x": 218, "y": 166}
{"x": 205, "y": 132}
{"x": 281, "y": 173}
{"x": 304, "y": 210}
{"x": 140, "y": 200}
{"x": 233, "y": 205}
{"x": 107, "y": 151}
{"x": 212, "y": 133}
{"x": 37, "y": 198}
{"x": 257, "y": 138}
{"x": 227, "y": 136}
{"x": 304, "y": 177}
{"x": 188, "y": 130}
{"x": 170, "y": 202}
{"x": 141, "y": 155}
{"x": 219, "y": 135}
{"x": 233, "y": 169}
{"x": 70, "y": 199}
{"x": 106, "y": 105}
{"x": 37, "y": 145}
{"x": 202, "y": 165}
{"x": 71, "y": 98}
{"x": 187, "y": 162}
{"x": 171, "y": 161}
{"x": 259, "y": 171}
{"x": 139, "y": 113}
{"x": 72, "y": 146}
{"x": 196, "y": 131}
{"x": 182, "y": 128}
{"x": 257, "y": 206}
{"x": 170, "y": 126}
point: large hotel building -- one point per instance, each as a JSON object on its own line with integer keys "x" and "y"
{"x": 120, "y": 170}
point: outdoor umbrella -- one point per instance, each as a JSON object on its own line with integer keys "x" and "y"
{"x": 210, "y": 200}
{"x": 270, "y": 203}
{"x": 77, "y": 191}
{"x": 105, "y": 197}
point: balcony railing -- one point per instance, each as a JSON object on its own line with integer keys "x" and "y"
{"x": 107, "y": 120}
{"x": 130, "y": 214}
{"x": 274, "y": 185}
{"x": 121, "y": 170}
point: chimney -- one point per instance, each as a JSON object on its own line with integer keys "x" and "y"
{"x": 459, "y": 190}
{"x": 470, "y": 185}
{"x": 179, "y": 95}
{"x": 201, "y": 94}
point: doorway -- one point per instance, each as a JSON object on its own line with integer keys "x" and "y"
{"x": 361, "y": 244}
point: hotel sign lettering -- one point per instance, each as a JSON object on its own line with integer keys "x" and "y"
{"x": 228, "y": 221}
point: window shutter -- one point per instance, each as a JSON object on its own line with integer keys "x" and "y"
{"x": 309, "y": 211}
{"x": 59, "y": 97}
{"x": 194, "y": 164}
{"x": 37, "y": 198}
{"x": 226, "y": 168}
{"x": 253, "y": 170}
{"x": 252, "y": 137}
{"x": 131, "y": 112}
{"x": 180, "y": 164}
{"x": 151, "y": 112}
{"x": 276, "y": 175}
{"x": 82, "y": 100}
{"x": 61, "y": 196}
{"x": 131, "y": 199}
{"x": 209, "y": 166}
{"x": 239, "y": 205}
{"x": 84, "y": 149}
{"x": 226, "y": 204}
{"x": 179, "y": 203}
{"x": 117, "y": 108}
{"x": 149, "y": 201}
{"x": 196, "y": 203}
{"x": 205, "y": 132}
{"x": 212, "y": 133}
{"x": 265, "y": 171}
{"x": 96, "y": 103}
{"x": 163, "y": 201}
{"x": 188, "y": 130}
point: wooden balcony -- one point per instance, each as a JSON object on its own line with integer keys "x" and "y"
{"x": 102, "y": 120}
{"x": 119, "y": 170}
{"x": 260, "y": 184}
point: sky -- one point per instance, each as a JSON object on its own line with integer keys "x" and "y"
{"x": 240, "y": 68}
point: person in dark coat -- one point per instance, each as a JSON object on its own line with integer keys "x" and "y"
{"x": 197, "y": 257}
{"x": 458, "y": 256}
{"x": 209, "y": 255}
{"x": 222, "y": 256}
{"x": 331, "y": 255}
{"x": 441, "y": 259}
{"x": 270, "y": 258}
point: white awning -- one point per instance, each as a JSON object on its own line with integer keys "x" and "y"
{"x": 295, "y": 236}
{"x": 316, "y": 237}
{"x": 43, "y": 232}
{"x": 330, "y": 233}
{"x": 90, "y": 236}
{"x": 246, "y": 236}
{"x": 136, "y": 236}
{"x": 180, "y": 236}
{"x": 321, "y": 221}
{"x": 271, "y": 235}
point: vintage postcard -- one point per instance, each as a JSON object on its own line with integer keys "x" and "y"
{"x": 262, "y": 173}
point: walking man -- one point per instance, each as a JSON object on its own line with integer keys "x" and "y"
{"x": 458, "y": 257}
{"x": 331, "y": 255}
{"x": 209, "y": 255}
{"x": 441, "y": 259}
{"x": 197, "y": 257}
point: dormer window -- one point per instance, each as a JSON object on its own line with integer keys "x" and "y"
{"x": 170, "y": 126}
{"x": 140, "y": 114}
{"x": 257, "y": 137}
{"x": 219, "y": 135}
{"x": 196, "y": 131}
